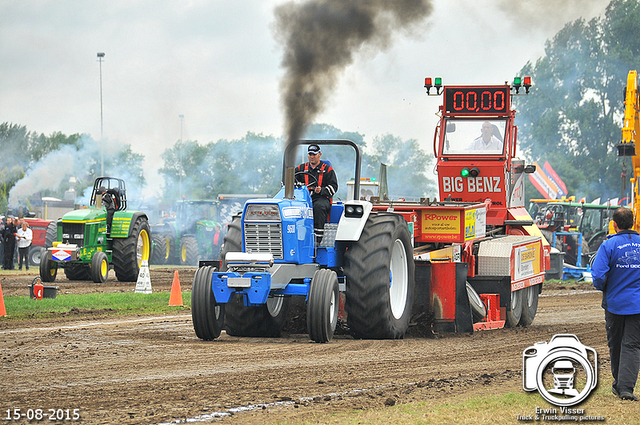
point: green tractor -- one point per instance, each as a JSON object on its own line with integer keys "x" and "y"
{"x": 85, "y": 251}
{"x": 190, "y": 236}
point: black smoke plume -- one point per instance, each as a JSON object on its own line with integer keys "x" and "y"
{"x": 320, "y": 38}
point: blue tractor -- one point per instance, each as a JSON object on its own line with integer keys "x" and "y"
{"x": 270, "y": 255}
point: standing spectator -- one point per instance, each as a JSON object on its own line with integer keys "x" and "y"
{"x": 24, "y": 237}
{"x": 616, "y": 273}
{"x": 2, "y": 223}
{"x": 217, "y": 242}
{"x": 9, "y": 240}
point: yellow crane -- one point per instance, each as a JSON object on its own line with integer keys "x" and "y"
{"x": 627, "y": 148}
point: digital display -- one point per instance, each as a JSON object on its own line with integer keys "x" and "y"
{"x": 476, "y": 100}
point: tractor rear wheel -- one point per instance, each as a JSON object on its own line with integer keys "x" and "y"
{"x": 189, "y": 251}
{"x": 515, "y": 314}
{"x": 52, "y": 234}
{"x": 380, "y": 279}
{"x": 99, "y": 267}
{"x": 48, "y": 267}
{"x": 207, "y": 316}
{"x": 77, "y": 271}
{"x": 322, "y": 306}
{"x": 128, "y": 253}
{"x": 160, "y": 251}
{"x": 35, "y": 255}
{"x": 529, "y": 304}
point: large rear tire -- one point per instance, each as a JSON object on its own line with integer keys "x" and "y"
{"x": 380, "y": 279}
{"x": 35, "y": 255}
{"x": 529, "y": 304}
{"x": 52, "y": 234}
{"x": 128, "y": 253}
{"x": 48, "y": 268}
{"x": 99, "y": 267}
{"x": 322, "y": 305}
{"x": 189, "y": 255}
{"x": 206, "y": 314}
{"x": 515, "y": 314}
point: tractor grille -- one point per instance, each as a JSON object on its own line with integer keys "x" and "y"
{"x": 264, "y": 237}
{"x": 73, "y": 233}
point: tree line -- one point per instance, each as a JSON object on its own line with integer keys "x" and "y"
{"x": 572, "y": 118}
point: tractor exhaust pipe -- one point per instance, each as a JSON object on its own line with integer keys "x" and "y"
{"x": 288, "y": 183}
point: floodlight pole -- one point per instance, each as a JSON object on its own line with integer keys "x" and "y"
{"x": 180, "y": 152}
{"x": 100, "y": 58}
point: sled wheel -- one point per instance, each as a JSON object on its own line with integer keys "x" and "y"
{"x": 529, "y": 304}
{"x": 478, "y": 309}
{"x": 515, "y": 313}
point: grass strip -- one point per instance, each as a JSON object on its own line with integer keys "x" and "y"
{"x": 115, "y": 303}
{"x": 491, "y": 409}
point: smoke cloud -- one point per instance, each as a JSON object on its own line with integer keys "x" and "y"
{"x": 53, "y": 170}
{"x": 320, "y": 38}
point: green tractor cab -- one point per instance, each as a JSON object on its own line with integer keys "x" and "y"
{"x": 85, "y": 251}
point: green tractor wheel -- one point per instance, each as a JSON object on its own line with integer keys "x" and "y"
{"x": 48, "y": 267}
{"x": 160, "y": 252}
{"x": 128, "y": 253}
{"x": 99, "y": 267}
{"x": 189, "y": 251}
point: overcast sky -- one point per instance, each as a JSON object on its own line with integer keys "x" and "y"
{"x": 217, "y": 63}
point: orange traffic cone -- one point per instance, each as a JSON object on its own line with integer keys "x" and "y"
{"x": 3, "y": 311}
{"x": 176, "y": 292}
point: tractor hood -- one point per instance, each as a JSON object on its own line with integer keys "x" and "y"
{"x": 85, "y": 214}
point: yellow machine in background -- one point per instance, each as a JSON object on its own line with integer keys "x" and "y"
{"x": 627, "y": 148}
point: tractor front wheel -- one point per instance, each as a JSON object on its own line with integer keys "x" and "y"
{"x": 189, "y": 251}
{"x": 48, "y": 267}
{"x": 206, "y": 314}
{"x": 160, "y": 251}
{"x": 99, "y": 267}
{"x": 322, "y": 306}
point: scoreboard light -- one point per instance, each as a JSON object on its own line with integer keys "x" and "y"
{"x": 519, "y": 82}
{"x": 469, "y": 172}
{"x": 527, "y": 84}
{"x": 429, "y": 84}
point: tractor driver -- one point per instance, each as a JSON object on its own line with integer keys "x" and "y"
{"x": 109, "y": 202}
{"x": 322, "y": 182}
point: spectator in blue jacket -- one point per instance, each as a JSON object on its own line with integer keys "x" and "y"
{"x": 616, "y": 272}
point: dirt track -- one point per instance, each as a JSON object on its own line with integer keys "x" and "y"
{"x": 155, "y": 370}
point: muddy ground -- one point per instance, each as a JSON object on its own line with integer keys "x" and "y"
{"x": 140, "y": 370}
